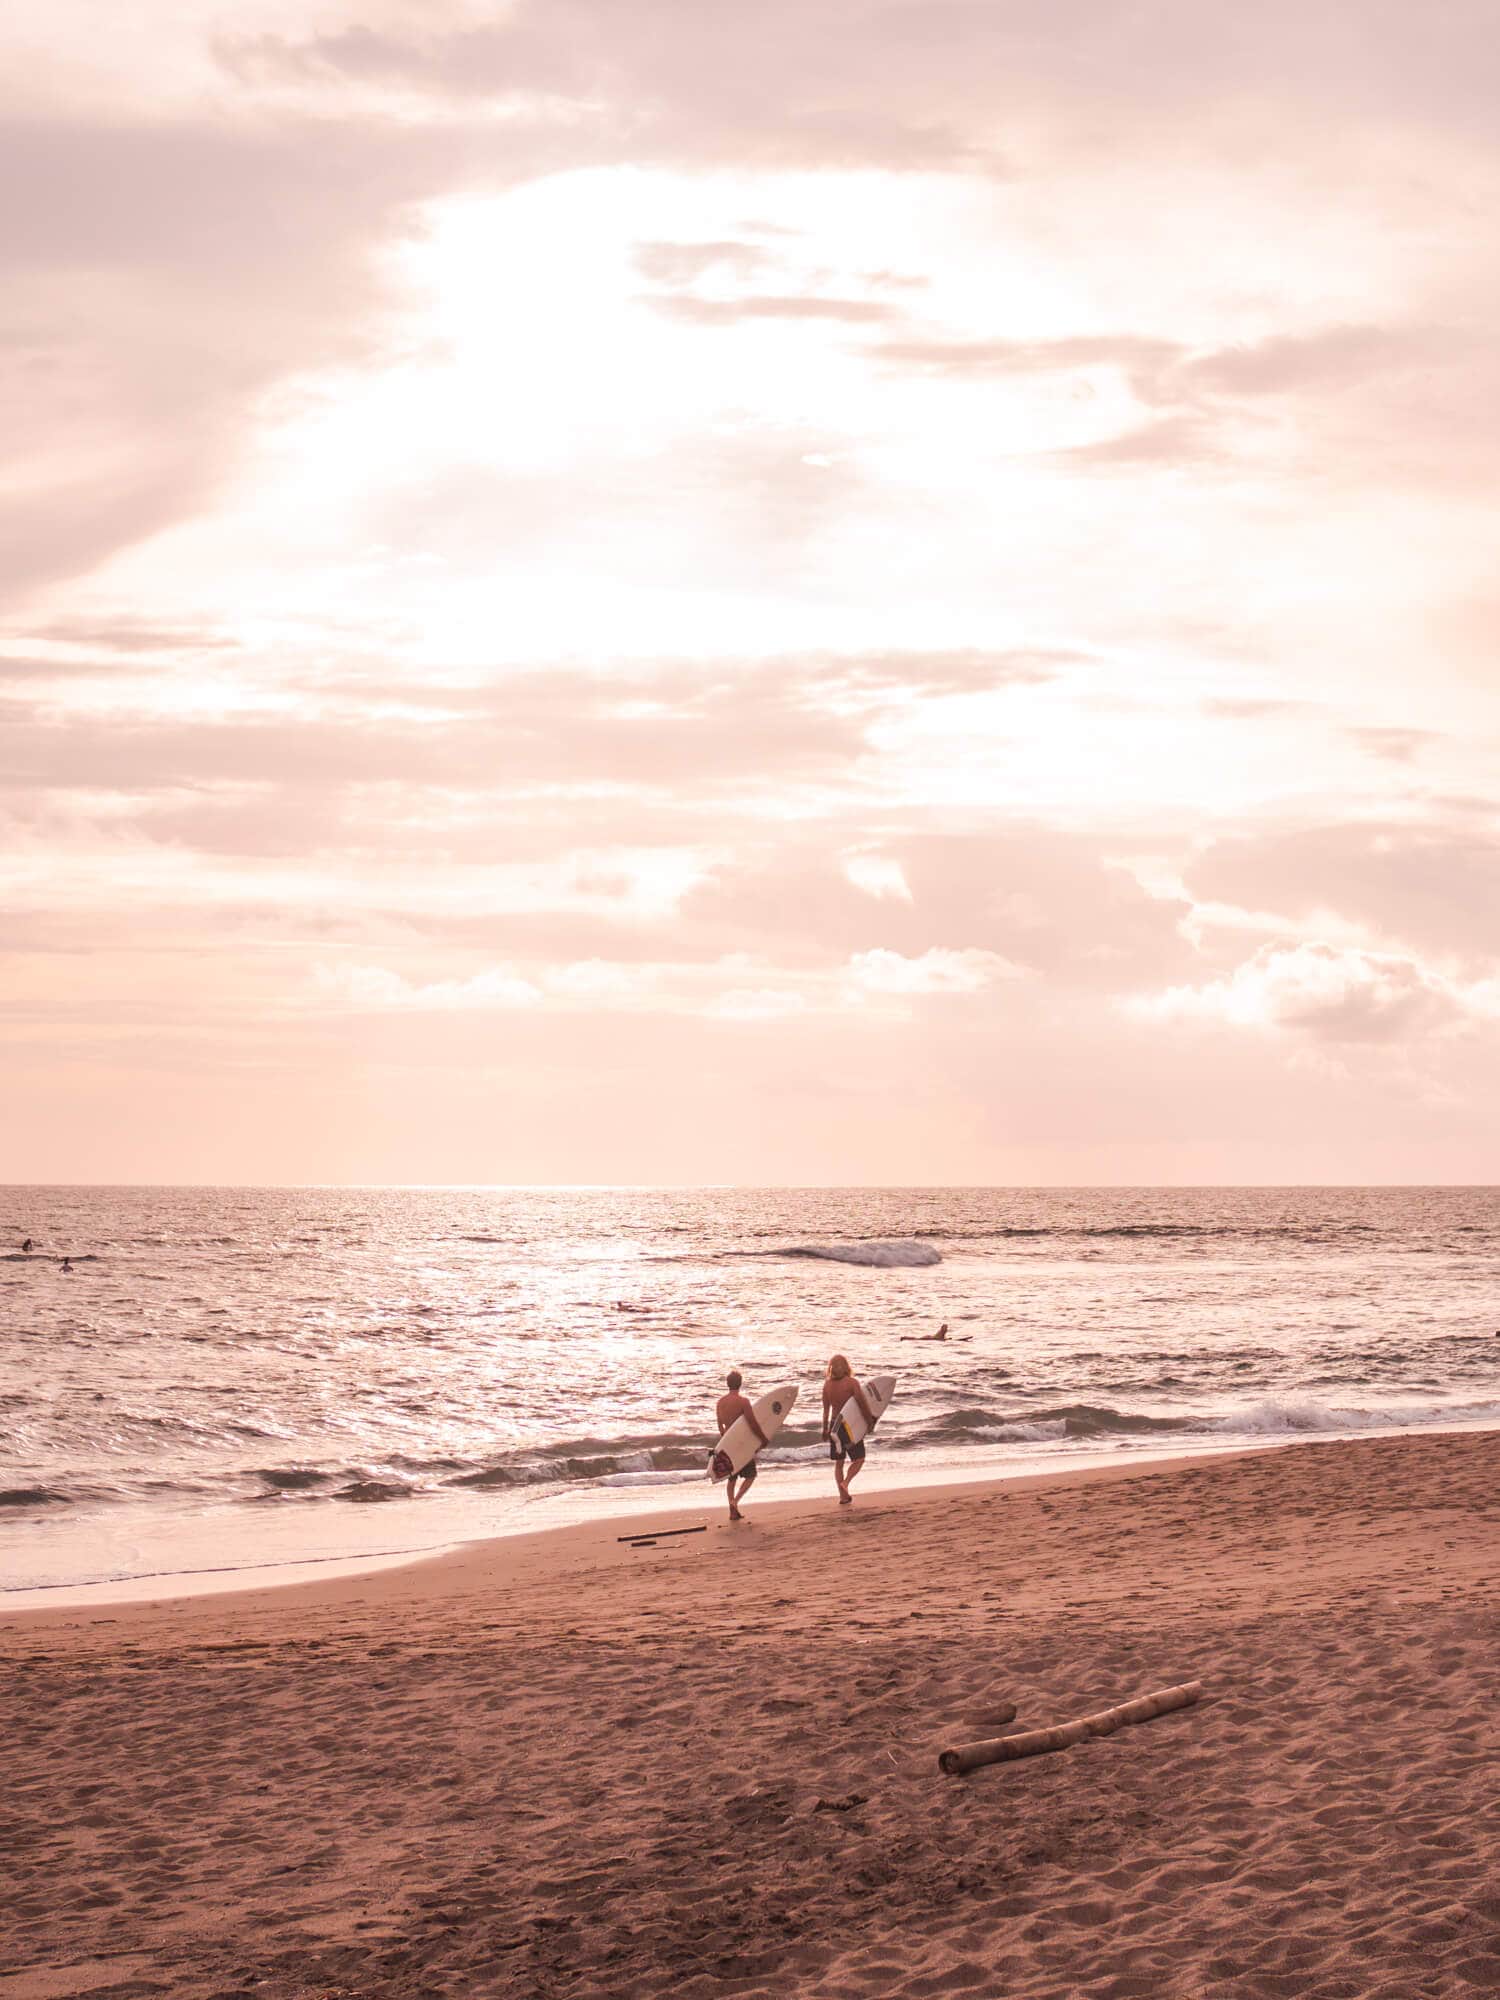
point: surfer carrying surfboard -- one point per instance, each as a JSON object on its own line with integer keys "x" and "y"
{"x": 844, "y": 1446}
{"x": 728, "y": 1410}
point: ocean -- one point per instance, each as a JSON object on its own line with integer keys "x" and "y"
{"x": 230, "y": 1378}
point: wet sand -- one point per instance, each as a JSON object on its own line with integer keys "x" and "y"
{"x": 561, "y": 1766}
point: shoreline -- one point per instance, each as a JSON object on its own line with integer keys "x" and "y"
{"x": 603, "y": 1538}
{"x": 559, "y": 1767}
{"x": 278, "y": 1573}
{"x": 668, "y": 1515}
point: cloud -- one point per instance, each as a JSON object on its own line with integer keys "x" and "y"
{"x": 1329, "y": 358}
{"x": 772, "y": 306}
{"x": 1145, "y": 362}
{"x": 1434, "y": 887}
{"x": 935, "y": 971}
{"x": 1330, "y": 993}
{"x": 713, "y": 988}
{"x": 814, "y": 80}
{"x": 332, "y": 398}
{"x": 174, "y": 271}
{"x": 375, "y": 987}
{"x": 130, "y": 634}
{"x": 878, "y": 875}
{"x": 1170, "y": 441}
{"x": 710, "y": 726}
{"x": 1034, "y": 897}
{"x": 685, "y": 263}
{"x": 1396, "y": 746}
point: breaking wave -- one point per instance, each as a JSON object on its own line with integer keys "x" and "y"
{"x": 673, "y": 1457}
{"x": 1275, "y": 1418}
{"x": 901, "y": 1253}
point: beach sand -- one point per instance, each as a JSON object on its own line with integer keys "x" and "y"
{"x": 559, "y": 1766}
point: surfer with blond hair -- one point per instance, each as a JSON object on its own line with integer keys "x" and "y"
{"x": 840, "y": 1387}
{"x": 728, "y": 1410}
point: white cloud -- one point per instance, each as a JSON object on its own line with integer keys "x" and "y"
{"x": 377, "y": 988}
{"x": 935, "y": 971}
{"x": 1332, "y": 993}
{"x": 599, "y": 981}
{"x": 878, "y": 875}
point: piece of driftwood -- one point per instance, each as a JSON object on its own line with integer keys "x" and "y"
{"x": 1033, "y": 1742}
{"x": 659, "y": 1534}
{"x": 1002, "y": 1712}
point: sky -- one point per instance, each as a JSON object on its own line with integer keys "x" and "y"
{"x": 841, "y": 591}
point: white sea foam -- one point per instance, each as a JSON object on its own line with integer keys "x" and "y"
{"x": 1278, "y": 1418}
{"x": 902, "y": 1253}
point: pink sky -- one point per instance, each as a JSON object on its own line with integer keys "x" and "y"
{"x": 603, "y": 590}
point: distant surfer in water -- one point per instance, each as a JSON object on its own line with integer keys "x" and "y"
{"x": 728, "y": 1410}
{"x": 839, "y": 1386}
{"x": 26, "y": 1246}
{"x": 67, "y": 1263}
{"x": 941, "y": 1334}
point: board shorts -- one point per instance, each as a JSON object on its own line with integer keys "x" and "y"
{"x": 841, "y": 1445}
{"x": 746, "y": 1474}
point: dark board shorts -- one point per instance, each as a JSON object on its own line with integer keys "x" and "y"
{"x": 746, "y": 1474}
{"x": 841, "y": 1445}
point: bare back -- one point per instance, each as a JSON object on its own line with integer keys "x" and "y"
{"x": 730, "y": 1407}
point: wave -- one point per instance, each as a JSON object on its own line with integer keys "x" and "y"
{"x": 291, "y": 1478}
{"x": 1311, "y": 1232}
{"x": 676, "y": 1457}
{"x": 1074, "y": 1420}
{"x": 1278, "y": 1418}
{"x": 48, "y": 1257}
{"x": 367, "y": 1490}
{"x": 899, "y": 1253}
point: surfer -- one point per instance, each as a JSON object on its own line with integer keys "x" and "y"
{"x": 839, "y": 1386}
{"x": 27, "y": 1246}
{"x": 728, "y": 1410}
{"x": 67, "y": 1263}
{"x": 941, "y": 1334}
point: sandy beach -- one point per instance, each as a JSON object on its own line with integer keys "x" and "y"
{"x": 559, "y": 1765}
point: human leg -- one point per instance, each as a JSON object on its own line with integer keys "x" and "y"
{"x": 836, "y": 1453}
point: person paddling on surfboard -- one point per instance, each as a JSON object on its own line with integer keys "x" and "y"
{"x": 840, "y": 1387}
{"x": 729, "y": 1409}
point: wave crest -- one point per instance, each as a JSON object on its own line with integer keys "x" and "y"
{"x": 896, "y": 1254}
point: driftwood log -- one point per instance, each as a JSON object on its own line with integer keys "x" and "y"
{"x": 1032, "y": 1742}
{"x": 1002, "y": 1712}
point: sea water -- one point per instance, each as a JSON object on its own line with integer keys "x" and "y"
{"x": 232, "y": 1377}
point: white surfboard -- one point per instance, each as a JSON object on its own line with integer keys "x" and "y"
{"x": 739, "y": 1443}
{"x": 851, "y": 1419}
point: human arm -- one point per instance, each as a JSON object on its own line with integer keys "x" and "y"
{"x": 869, "y": 1414}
